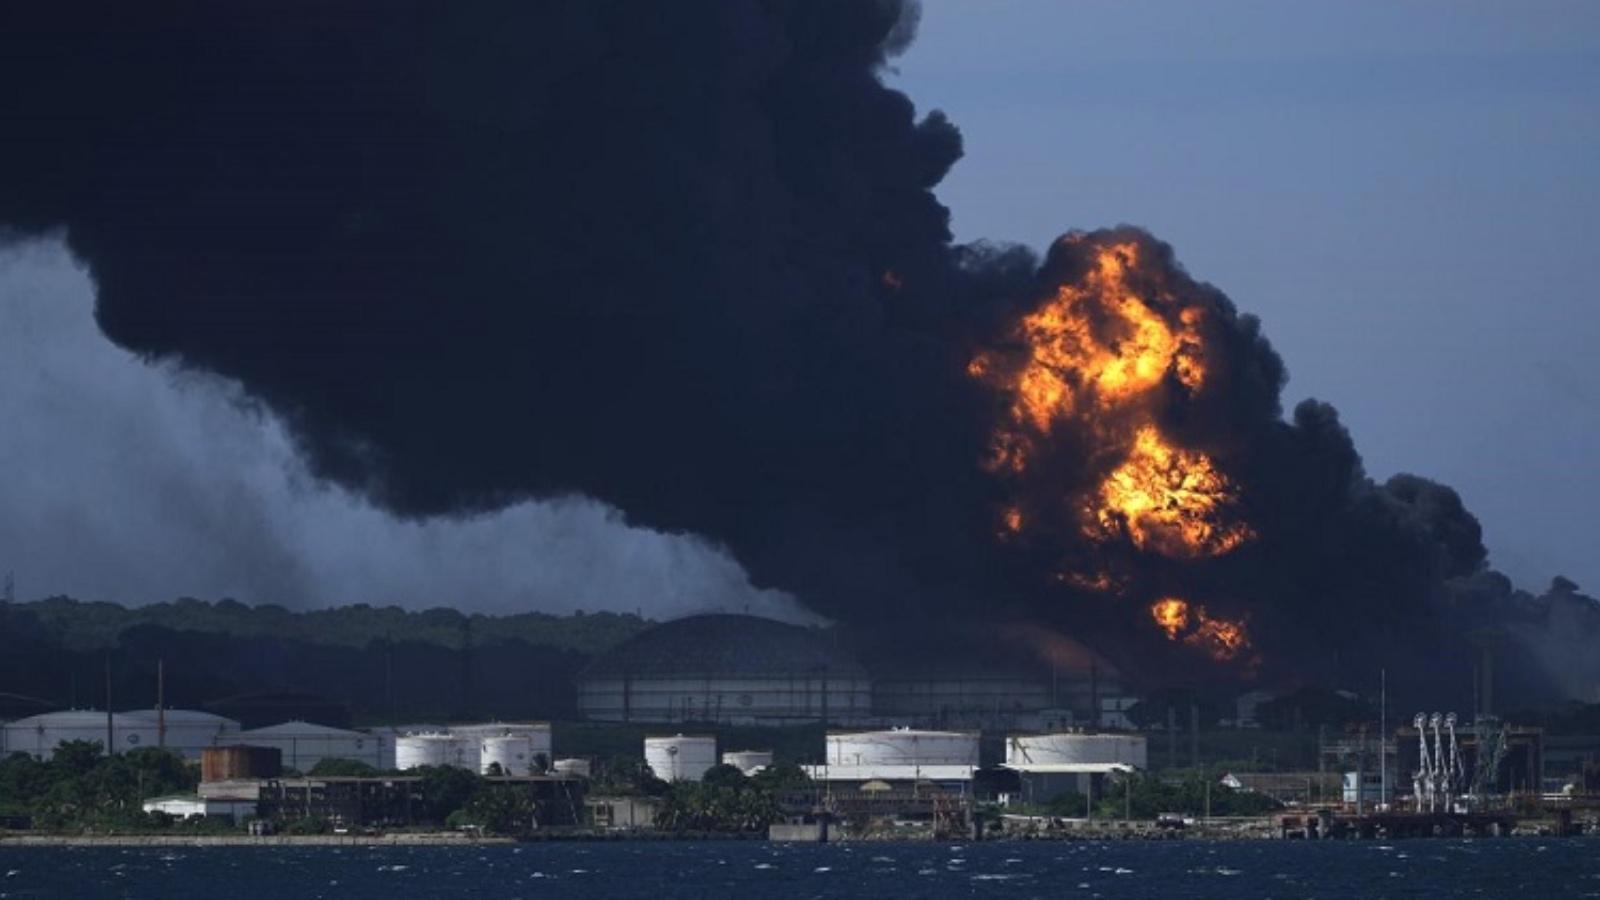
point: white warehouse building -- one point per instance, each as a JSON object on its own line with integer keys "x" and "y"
{"x": 730, "y": 669}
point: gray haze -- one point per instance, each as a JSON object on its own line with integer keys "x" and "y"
{"x": 131, "y": 483}
{"x": 1407, "y": 193}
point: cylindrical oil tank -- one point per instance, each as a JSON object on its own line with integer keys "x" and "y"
{"x": 748, "y": 761}
{"x": 1072, "y": 747}
{"x": 511, "y": 753}
{"x": 240, "y": 763}
{"x": 903, "y": 747}
{"x": 574, "y": 768}
{"x": 38, "y": 735}
{"x": 188, "y": 731}
{"x": 680, "y": 757}
{"x": 416, "y": 750}
{"x": 537, "y": 733}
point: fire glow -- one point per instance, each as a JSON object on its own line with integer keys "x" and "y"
{"x": 1221, "y": 639}
{"x": 1095, "y": 360}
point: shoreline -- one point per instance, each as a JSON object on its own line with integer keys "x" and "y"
{"x": 414, "y": 839}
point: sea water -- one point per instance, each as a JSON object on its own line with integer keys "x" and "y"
{"x": 1519, "y": 868}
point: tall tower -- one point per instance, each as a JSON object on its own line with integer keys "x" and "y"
{"x": 9, "y": 595}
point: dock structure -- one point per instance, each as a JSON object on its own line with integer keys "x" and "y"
{"x": 1328, "y": 824}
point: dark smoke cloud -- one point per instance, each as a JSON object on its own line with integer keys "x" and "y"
{"x": 684, "y": 258}
{"x": 133, "y": 483}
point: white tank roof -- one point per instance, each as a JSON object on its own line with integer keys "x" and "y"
{"x": 185, "y": 716}
{"x": 298, "y": 728}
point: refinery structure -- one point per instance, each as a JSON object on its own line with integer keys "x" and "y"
{"x": 881, "y": 739}
{"x": 744, "y": 670}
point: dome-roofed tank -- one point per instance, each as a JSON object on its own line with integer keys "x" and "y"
{"x": 38, "y": 736}
{"x": 726, "y": 668}
{"x": 189, "y": 731}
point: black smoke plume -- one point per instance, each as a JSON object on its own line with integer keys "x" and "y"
{"x": 685, "y": 258}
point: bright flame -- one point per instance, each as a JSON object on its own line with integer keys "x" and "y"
{"x": 1167, "y": 500}
{"x": 1171, "y": 615}
{"x": 1223, "y": 640}
{"x": 1094, "y": 355}
{"x": 1098, "y": 345}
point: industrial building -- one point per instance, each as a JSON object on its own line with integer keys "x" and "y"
{"x": 745, "y": 670}
{"x": 184, "y": 807}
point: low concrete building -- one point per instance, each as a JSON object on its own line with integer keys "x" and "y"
{"x": 622, "y": 813}
{"x": 1292, "y": 787}
{"x": 1042, "y": 782}
{"x": 185, "y": 807}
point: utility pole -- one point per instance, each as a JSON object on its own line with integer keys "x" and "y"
{"x": 1172, "y": 737}
{"x": 1194, "y": 733}
{"x": 110, "y": 728}
{"x": 1383, "y": 739}
{"x": 11, "y": 589}
{"x": 161, "y": 703}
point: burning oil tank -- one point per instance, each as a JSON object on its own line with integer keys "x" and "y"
{"x": 680, "y": 757}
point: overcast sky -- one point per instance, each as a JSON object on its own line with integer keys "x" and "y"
{"x": 1406, "y": 193}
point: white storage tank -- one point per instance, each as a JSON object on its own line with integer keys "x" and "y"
{"x": 574, "y": 768}
{"x": 304, "y": 744}
{"x": 748, "y": 761}
{"x": 39, "y": 735}
{"x": 188, "y": 731}
{"x": 680, "y": 757}
{"x": 416, "y": 750}
{"x": 1065, "y": 748}
{"x": 512, "y": 753}
{"x": 903, "y": 747}
{"x": 537, "y": 734}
